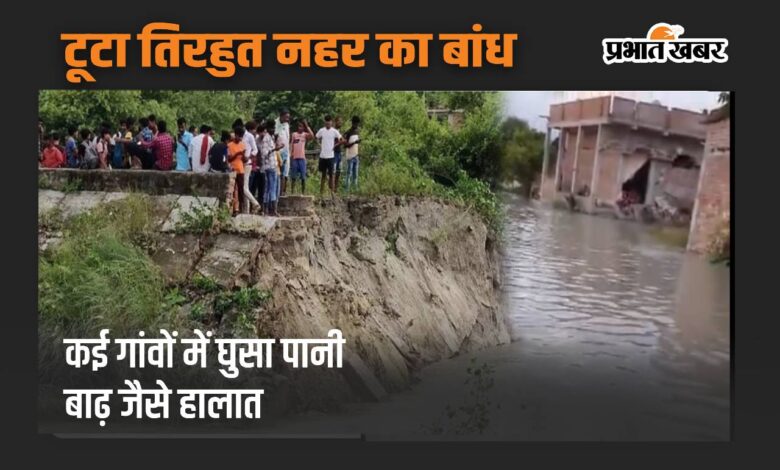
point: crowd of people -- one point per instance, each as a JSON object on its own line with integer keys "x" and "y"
{"x": 264, "y": 155}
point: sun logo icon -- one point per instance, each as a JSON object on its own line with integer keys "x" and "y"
{"x": 665, "y": 32}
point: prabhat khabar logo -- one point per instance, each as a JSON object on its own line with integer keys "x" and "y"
{"x": 662, "y": 44}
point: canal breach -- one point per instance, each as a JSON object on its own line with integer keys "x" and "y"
{"x": 409, "y": 281}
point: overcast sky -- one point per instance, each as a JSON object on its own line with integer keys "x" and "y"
{"x": 529, "y": 105}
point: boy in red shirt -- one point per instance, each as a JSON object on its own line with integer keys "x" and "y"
{"x": 52, "y": 156}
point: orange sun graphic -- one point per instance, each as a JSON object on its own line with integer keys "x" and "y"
{"x": 665, "y": 32}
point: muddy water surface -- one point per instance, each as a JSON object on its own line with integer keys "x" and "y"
{"x": 616, "y": 336}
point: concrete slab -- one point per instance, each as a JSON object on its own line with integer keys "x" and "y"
{"x": 300, "y": 205}
{"x": 49, "y": 200}
{"x": 188, "y": 205}
{"x": 111, "y": 197}
{"x": 226, "y": 259}
{"x": 176, "y": 256}
{"x": 250, "y": 224}
{"x": 80, "y": 202}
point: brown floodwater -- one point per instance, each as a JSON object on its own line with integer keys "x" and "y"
{"x": 615, "y": 336}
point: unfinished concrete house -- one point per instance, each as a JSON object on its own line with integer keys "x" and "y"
{"x": 628, "y": 158}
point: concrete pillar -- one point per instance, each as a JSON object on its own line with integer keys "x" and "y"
{"x": 652, "y": 180}
{"x": 594, "y": 179}
{"x": 561, "y": 144}
{"x": 576, "y": 157}
{"x": 545, "y": 162}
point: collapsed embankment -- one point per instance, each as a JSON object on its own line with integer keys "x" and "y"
{"x": 408, "y": 281}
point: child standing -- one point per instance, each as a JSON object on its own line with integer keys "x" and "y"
{"x": 52, "y": 157}
{"x": 103, "y": 142}
{"x": 298, "y": 143}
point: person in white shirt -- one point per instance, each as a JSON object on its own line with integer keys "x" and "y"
{"x": 328, "y": 137}
{"x": 283, "y": 134}
{"x": 199, "y": 148}
{"x": 250, "y": 142}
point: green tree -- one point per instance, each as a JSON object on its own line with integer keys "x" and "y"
{"x": 522, "y": 152}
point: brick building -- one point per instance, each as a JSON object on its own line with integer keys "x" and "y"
{"x": 713, "y": 199}
{"x": 609, "y": 145}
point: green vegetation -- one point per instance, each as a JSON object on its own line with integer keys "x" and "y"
{"x": 202, "y": 218}
{"x": 522, "y": 152}
{"x": 72, "y": 186}
{"x": 100, "y": 275}
{"x": 198, "y": 312}
{"x": 242, "y": 300}
{"x": 203, "y": 284}
{"x": 92, "y": 108}
{"x": 391, "y": 241}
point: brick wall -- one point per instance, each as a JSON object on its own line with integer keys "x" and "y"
{"x": 713, "y": 202}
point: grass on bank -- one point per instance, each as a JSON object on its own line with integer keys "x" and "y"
{"x": 404, "y": 177}
{"x": 100, "y": 275}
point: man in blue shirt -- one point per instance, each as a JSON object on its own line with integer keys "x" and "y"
{"x": 182, "y": 145}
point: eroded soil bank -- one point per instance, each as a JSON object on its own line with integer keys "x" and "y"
{"x": 408, "y": 281}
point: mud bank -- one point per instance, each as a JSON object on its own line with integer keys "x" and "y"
{"x": 408, "y": 281}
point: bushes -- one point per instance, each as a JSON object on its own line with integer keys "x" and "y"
{"x": 95, "y": 282}
{"x": 100, "y": 276}
{"x": 203, "y": 219}
{"x": 405, "y": 178}
{"x": 477, "y": 194}
{"x": 383, "y": 177}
